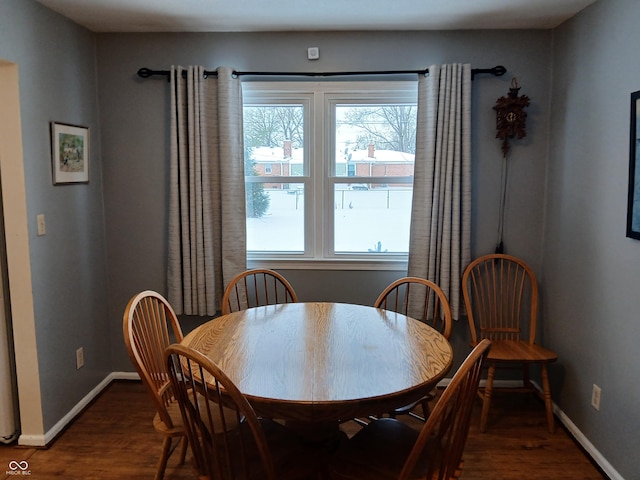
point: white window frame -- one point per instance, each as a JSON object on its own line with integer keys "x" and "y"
{"x": 319, "y": 177}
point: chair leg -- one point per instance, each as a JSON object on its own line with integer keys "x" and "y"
{"x": 183, "y": 449}
{"x": 164, "y": 456}
{"x": 426, "y": 410}
{"x": 526, "y": 375}
{"x": 486, "y": 401}
{"x": 547, "y": 398}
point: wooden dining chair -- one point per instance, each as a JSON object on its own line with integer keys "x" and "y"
{"x": 423, "y": 300}
{"x": 501, "y": 298}
{"x": 420, "y": 299}
{"x": 228, "y": 440}
{"x": 150, "y": 325}
{"x": 256, "y": 287}
{"x": 388, "y": 449}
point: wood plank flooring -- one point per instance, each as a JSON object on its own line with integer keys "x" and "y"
{"x": 114, "y": 438}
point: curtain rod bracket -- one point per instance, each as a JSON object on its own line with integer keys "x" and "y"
{"x": 496, "y": 71}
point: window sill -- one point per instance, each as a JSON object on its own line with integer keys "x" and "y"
{"x": 334, "y": 264}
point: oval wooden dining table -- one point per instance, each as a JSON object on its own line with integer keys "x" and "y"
{"x": 317, "y": 364}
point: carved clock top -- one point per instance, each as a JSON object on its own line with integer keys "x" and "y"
{"x": 510, "y": 116}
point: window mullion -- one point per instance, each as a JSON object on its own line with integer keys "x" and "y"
{"x": 319, "y": 168}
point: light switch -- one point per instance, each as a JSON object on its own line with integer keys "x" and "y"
{"x": 42, "y": 229}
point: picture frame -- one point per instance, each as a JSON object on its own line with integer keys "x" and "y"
{"x": 633, "y": 205}
{"x": 69, "y": 153}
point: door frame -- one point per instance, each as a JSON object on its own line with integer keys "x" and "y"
{"x": 13, "y": 188}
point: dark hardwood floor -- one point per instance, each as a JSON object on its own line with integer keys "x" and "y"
{"x": 114, "y": 438}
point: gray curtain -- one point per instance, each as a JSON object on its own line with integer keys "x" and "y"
{"x": 440, "y": 238}
{"x": 207, "y": 238}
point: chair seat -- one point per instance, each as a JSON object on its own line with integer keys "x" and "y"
{"x": 519, "y": 351}
{"x": 176, "y": 418}
{"x": 178, "y": 425}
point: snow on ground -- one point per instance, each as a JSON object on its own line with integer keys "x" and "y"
{"x": 361, "y": 219}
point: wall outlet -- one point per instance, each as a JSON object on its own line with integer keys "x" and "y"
{"x": 79, "y": 358}
{"x": 595, "y": 397}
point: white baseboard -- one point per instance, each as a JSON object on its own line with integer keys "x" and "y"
{"x": 597, "y": 457}
{"x": 125, "y": 376}
{"x": 43, "y": 440}
{"x": 50, "y": 435}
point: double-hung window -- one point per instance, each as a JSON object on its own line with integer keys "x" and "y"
{"x": 329, "y": 171}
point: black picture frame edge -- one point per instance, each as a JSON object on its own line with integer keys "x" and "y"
{"x": 635, "y": 97}
{"x": 52, "y": 128}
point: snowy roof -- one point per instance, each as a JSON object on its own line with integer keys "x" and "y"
{"x": 276, "y": 154}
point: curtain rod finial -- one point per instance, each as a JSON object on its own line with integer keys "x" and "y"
{"x": 145, "y": 72}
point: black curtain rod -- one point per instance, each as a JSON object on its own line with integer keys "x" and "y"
{"x": 497, "y": 71}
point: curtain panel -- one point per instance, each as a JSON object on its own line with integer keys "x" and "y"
{"x": 440, "y": 237}
{"x": 207, "y": 237}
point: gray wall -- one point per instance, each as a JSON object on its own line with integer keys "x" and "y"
{"x": 567, "y": 192}
{"x": 134, "y": 124}
{"x": 58, "y": 82}
{"x": 591, "y": 270}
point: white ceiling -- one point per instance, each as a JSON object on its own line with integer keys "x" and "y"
{"x": 292, "y": 15}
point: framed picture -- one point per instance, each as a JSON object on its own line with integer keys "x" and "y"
{"x": 633, "y": 205}
{"x": 69, "y": 153}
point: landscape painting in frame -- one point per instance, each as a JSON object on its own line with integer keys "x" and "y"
{"x": 70, "y": 153}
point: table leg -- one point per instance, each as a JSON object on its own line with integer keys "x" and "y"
{"x": 322, "y": 434}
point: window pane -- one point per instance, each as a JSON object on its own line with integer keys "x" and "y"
{"x": 372, "y": 220}
{"x": 273, "y": 139}
{"x": 280, "y": 225}
{"x": 375, "y": 140}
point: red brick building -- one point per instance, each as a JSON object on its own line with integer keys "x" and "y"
{"x": 360, "y": 164}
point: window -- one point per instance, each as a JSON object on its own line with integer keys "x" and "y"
{"x": 329, "y": 170}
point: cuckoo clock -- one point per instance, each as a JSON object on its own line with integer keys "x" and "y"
{"x": 510, "y": 116}
{"x": 510, "y": 123}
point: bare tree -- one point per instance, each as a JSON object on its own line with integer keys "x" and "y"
{"x": 389, "y": 127}
{"x": 271, "y": 125}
